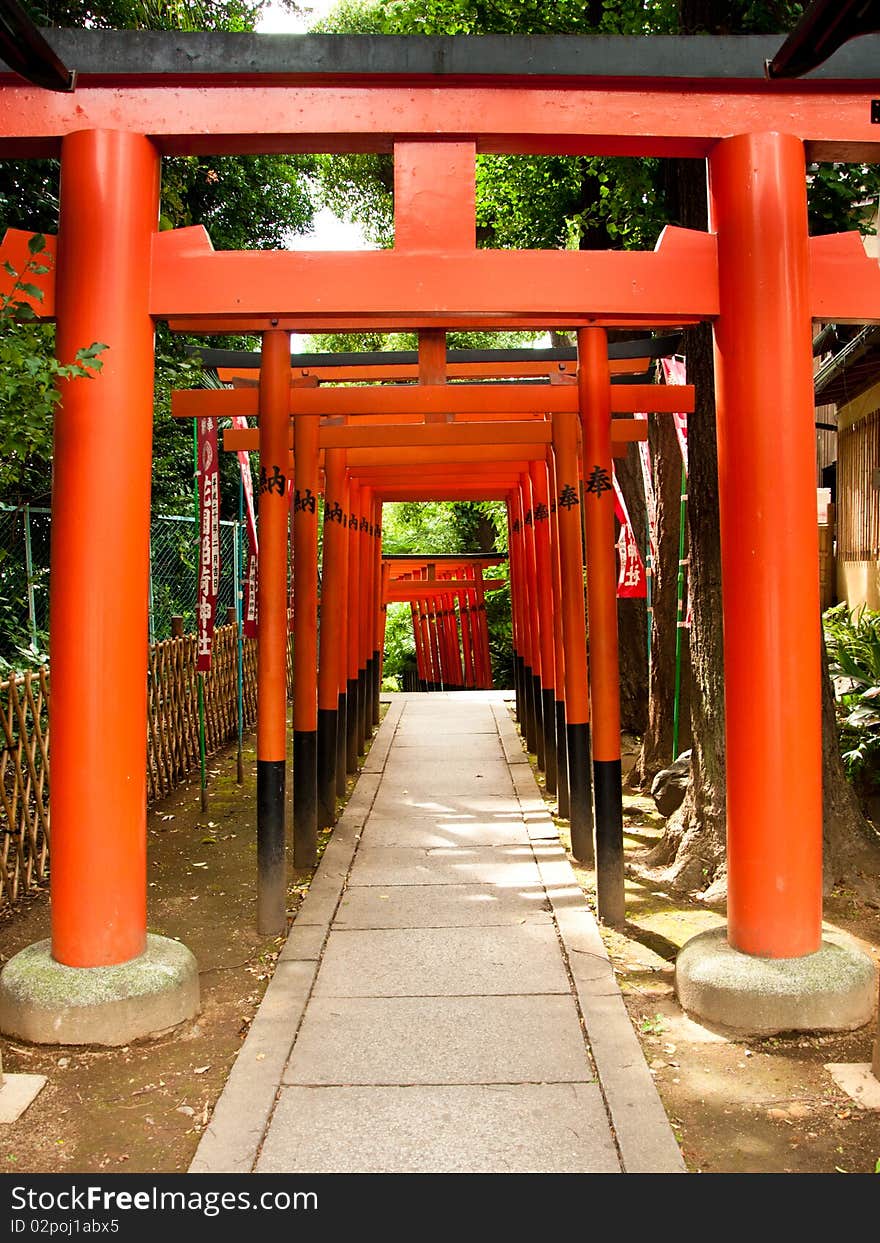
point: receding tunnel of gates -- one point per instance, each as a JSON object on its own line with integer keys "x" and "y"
{"x": 459, "y": 635}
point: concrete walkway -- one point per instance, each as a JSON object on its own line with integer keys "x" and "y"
{"x": 444, "y": 1001}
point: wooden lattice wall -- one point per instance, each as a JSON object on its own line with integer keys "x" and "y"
{"x": 172, "y": 738}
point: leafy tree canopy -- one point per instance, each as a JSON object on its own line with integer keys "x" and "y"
{"x": 567, "y": 202}
{"x": 244, "y": 202}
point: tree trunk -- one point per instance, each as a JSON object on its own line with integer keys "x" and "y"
{"x": 656, "y": 752}
{"x": 632, "y": 627}
{"x": 693, "y": 848}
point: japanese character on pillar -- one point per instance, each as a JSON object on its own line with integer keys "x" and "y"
{"x": 598, "y": 481}
{"x": 304, "y": 501}
{"x": 276, "y": 482}
{"x": 568, "y": 497}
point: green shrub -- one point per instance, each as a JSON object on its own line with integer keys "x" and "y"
{"x": 852, "y": 640}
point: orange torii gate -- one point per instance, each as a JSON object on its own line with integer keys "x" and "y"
{"x": 414, "y": 578}
{"x": 756, "y": 275}
{"x": 382, "y": 451}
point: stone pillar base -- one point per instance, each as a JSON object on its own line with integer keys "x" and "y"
{"x": 45, "y": 1002}
{"x": 834, "y": 989}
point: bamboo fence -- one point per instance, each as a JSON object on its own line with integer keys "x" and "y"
{"x": 172, "y": 742}
{"x": 858, "y": 496}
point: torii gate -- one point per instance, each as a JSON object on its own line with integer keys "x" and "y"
{"x": 756, "y": 276}
{"x": 509, "y": 422}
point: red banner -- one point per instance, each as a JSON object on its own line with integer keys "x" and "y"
{"x": 674, "y": 372}
{"x": 631, "y": 583}
{"x": 249, "y": 607}
{"x": 209, "y": 540}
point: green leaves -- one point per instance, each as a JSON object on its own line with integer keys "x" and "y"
{"x": 852, "y": 640}
{"x": 29, "y": 376}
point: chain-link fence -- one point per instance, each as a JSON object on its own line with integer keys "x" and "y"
{"x": 24, "y": 576}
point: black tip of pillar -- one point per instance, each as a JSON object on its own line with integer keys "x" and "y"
{"x": 305, "y": 798}
{"x": 610, "y": 894}
{"x": 341, "y": 737}
{"x": 548, "y": 710}
{"x": 538, "y": 700}
{"x": 529, "y": 698}
{"x": 377, "y": 686}
{"x": 271, "y": 862}
{"x": 580, "y": 792}
{"x": 351, "y": 727}
{"x": 327, "y": 725}
{"x": 362, "y": 727}
{"x": 563, "y": 806}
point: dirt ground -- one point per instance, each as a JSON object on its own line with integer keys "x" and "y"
{"x": 736, "y": 1106}
{"x": 142, "y": 1108}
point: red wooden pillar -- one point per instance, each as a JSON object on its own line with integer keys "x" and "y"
{"x": 515, "y": 622}
{"x": 417, "y": 641}
{"x": 332, "y": 626}
{"x": 305, "y": 645}
{"x": 518, "y": 529}
{"x": 594, "y": 390}
{"x": 427, "y": 652}
{"x": 342, "y": 658}
{"x": 483, "y": 628}
{"x": 380, "y": 580}
{"x": 571, "y": 572}
{"x": 354, "y": 606}
{"x": 441, "y": 673}
{"x": 544, "y": 592}
{"x": 533, "y": 604}
{"x": 468, "y": 647}
{"x": 272, "y": 518}
{"x": 365, "y": 615}
{"x": 100, "y": 547}
{"x": 562, "y": 803}
{"x": 766, "y": 489}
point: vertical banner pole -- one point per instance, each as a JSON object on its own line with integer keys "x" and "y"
{"x": 237, "y": 545}
{"x": 680, "y": 611}
{"x": 200, "y": 677}
{"x": 29, "y": 571}
{"x": 594, "y": 388}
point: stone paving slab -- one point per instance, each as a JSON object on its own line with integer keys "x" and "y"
{"x": 404, "y": 1040}
{"x": 507, "y": 866}
{"x": 423, "y": 732}
{"x": 447, "y": 747}
{"x": 443, "y": 830}
{"x": 442, "y": 962}
{"x": 555, "y": 1128}
{"x": 484, "y": 788}
{"x": 439, "y": 906}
